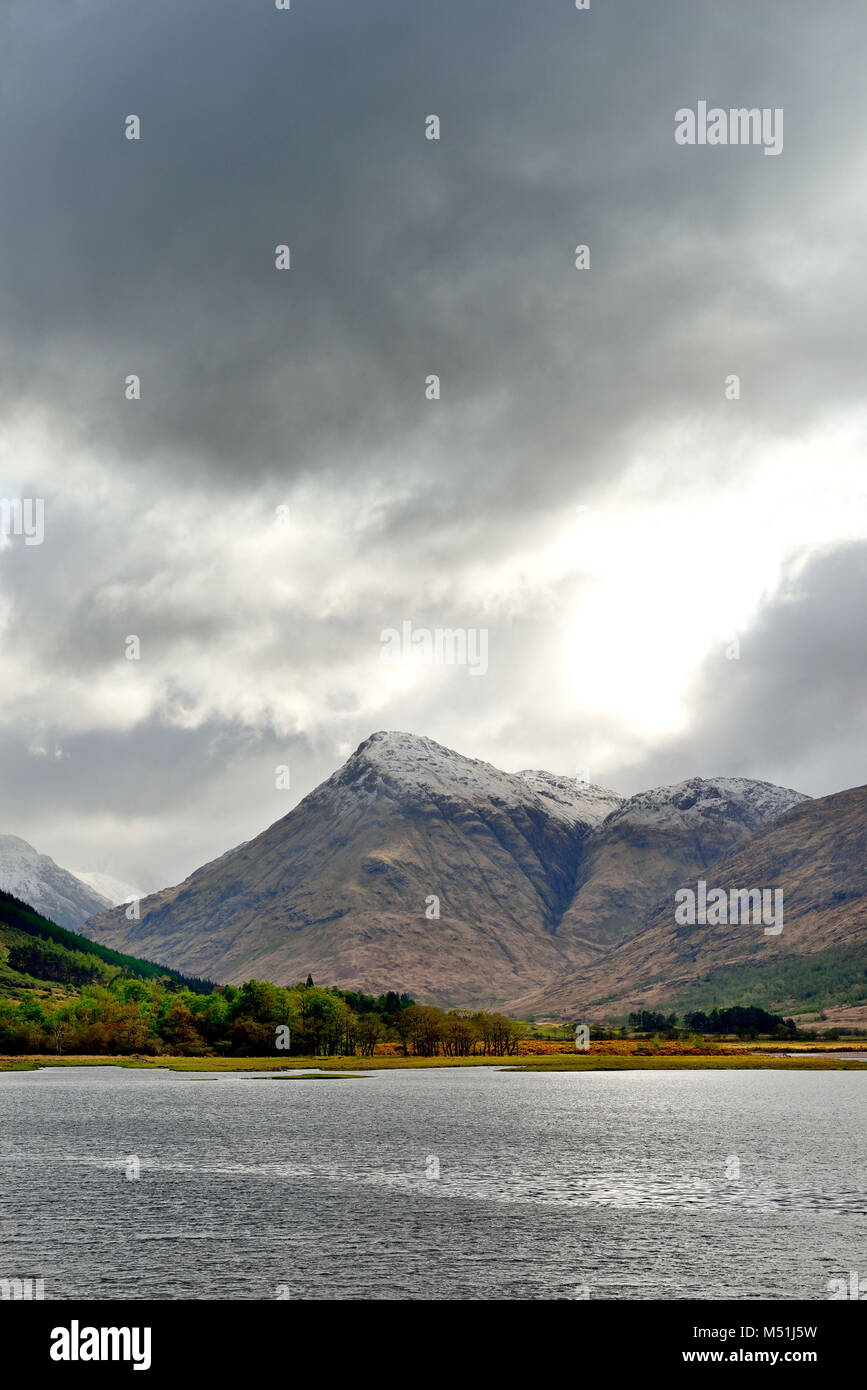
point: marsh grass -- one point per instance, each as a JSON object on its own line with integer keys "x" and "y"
{"x": 730, "y": 1057}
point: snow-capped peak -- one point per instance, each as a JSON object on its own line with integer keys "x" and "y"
{"x": 45, "y": 886}
{"x": 420, "y": 765}
{"x": 413, "y": 764}
{"x": 754, "y": 803}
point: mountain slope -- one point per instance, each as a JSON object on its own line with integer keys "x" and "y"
{"x": 37, "y": 954}
{"x": 339, "y": 887}
{"x": 653, "y": 842}
{"x": 54, "y": 892}
{"x": 816, "y": 853}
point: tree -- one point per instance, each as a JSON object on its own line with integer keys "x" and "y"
{"x": 425, "y": 1029}
{"x": 697, "y": 1022}
{"x": 505, "y": 1033}
{"x": 459, "y": 1035}
{"x": 645, "y": 1021}
{"x": 179, "y": 1029}
{"x": 498, "y": 1032}
{"x": 370, "y": 1031}
{"x": 403, "y": 1026}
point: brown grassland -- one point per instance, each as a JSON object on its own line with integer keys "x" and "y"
{"x": 532, "y": 1055}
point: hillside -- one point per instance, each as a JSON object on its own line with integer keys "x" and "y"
{"x": 61, "y": 993}
{"x": 653, "y": 842}
{"x": 38, "y": 956}
{"x": 816, "y": 853}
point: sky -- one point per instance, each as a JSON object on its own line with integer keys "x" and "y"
{"x": 670, "y": 571}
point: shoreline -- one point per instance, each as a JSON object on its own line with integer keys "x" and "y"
{"x": 818, "y": 1058}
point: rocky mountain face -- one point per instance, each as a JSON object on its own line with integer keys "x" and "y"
{"x": 348, "y": 885}
{"x": 815, "y": 854}
{"x": 54, "y": 892}
{"x": 651, "y": 843}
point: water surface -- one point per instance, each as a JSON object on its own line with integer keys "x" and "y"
{"x": 548, "y": 1184}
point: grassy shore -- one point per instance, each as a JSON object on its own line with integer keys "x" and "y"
{"x": 725, "y": 1057}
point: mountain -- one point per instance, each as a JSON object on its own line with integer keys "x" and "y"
{"x": 653, "y": 842}
{"x": 816, "y": 854}
{"x": 54, "y": 892}
{"x": 339, "y": 886}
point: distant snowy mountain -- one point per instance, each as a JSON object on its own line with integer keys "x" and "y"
{"x": 114, "y": 890}
{"x": 54, "y": 892}
{"x": 418, "y": 869}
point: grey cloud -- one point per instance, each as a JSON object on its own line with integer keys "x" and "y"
{"x": 409, "y": 257}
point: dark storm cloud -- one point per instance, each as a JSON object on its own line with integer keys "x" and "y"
{"x": 148, "y": 809}
{"x": 409, "y": 256}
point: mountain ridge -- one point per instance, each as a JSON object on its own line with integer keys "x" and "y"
{"x": 346, "y": 884}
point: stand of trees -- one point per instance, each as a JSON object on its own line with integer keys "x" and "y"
{"x": 154, "y": 1017}
{"x": 645, "y": 1021}
{"x": 431, "y": 1032}
{"x": 257, "y": 1019}
{"x": 744, "y": 1022}
{"x": 747, "y": 1022}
